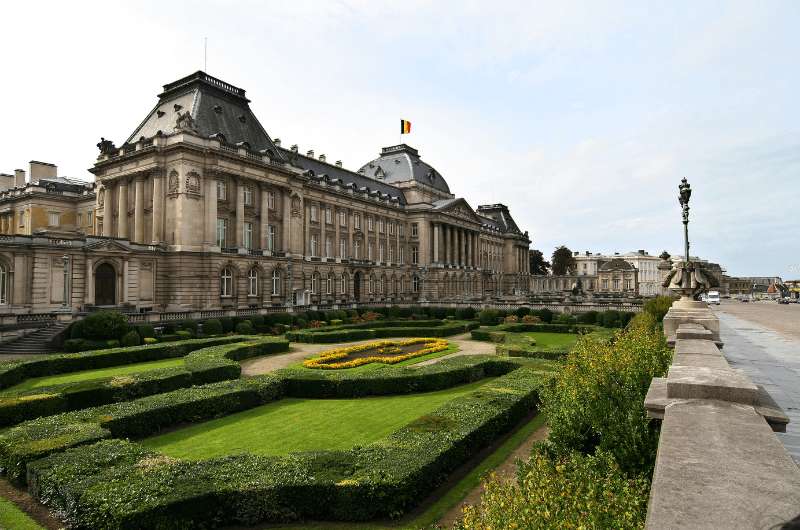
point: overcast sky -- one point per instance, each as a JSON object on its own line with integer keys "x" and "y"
{"x": 581, "y": 117}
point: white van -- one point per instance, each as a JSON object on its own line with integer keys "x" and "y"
{"x": 713, "y": 297}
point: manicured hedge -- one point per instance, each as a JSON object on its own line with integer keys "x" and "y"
{"x": 372, "y": 330}
{"x": 118, "y": 484}
{"x": 393, "y": 380}
{"x": 204, "y": 365}
{"x": 486, "y": 333}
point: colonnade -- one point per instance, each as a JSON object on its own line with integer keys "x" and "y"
{"x": 137, "y": 235}
{"x": 455, "y": 246}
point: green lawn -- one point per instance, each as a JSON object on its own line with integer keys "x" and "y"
{"x": 87, "y": 375}
{"x": 544, "y": 341}
{"x": 12, "y": 517}
{"x": 303, "y": 425}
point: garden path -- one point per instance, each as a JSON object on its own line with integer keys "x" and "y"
{"x": 299, "y": 351}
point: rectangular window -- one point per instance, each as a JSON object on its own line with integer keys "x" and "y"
{"x": 271, "y": 237}
{"x": 356, "y": 249}
{"x": 248, "y": 196}
{"x": 329, "y": 284}
{"x": 401, "y": 229}
{"x": 343, "y": 248}
{"x": 313, "y": 246}
{"x": 369, "y": 251}
{"x": 313, "y": 213}
{"x": 271, "y": 200}
{"x": 414, "y": 255}
{"x": 222, "y": 191}
{"x": 616, "y": 285}
{"x": 53, "y": 218}
{"x": 342, "y": 218}
{"x": 222, "y": 230}
{"x": 369, "y": 224}
{"x": 328, "y": 216}
{"x": 89, "y": 217}
{"x": 380, "y": 253}
{"x": 328, "y": 247}
{"x": 80, "y": 219}
{"x": 357, "y": 222}
{"x": 391, "y": 254}
{"x": 380, "y": 225}
{"x": 414, "y": 229}
{"x": 400, "y": 257}
{"x": 248, "y": 235}
{"x": 605, "y": 284}
{"x": 391, "y": 228}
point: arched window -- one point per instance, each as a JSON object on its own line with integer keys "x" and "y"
{"x": 329, "y": 284}
{"x": 276, "y": 281}
{"x": 415, "y": 283}
{"x": 252, "y": 282}
{"x": 226, "y": 282}
{"x": 315, "y": 283}
{"x": 3, "y": 284}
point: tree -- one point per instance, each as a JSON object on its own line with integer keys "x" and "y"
{"x": 538, "y": 264}
{"x": 563, "y": 262}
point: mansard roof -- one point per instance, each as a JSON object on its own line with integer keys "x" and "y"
{"x": 347, "y": 177}
{"x": 617, "y": 264}
{"x": 402, "y": 163}
{"x": 499, "y": 216}
{"x": 216, "y": 108}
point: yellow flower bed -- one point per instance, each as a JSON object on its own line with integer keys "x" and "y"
{"x": 383, "y": 346}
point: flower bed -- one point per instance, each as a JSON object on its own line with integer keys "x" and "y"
{"x": 205, "y": 361}
{"x": 386, "y": 352}
{"x": 381, "y": 329}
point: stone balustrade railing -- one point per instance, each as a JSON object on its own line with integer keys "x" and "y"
{"x": 719, "y": 463}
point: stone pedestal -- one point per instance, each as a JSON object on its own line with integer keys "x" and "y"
{"x": 690, "y": 311}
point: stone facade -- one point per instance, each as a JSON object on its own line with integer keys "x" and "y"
{"x": 201, "y": 210}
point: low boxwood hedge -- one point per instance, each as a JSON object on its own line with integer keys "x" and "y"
{"x": 380, "y": 329}
{"x": 520, "y": 327}
{"x": 119, "y": 484}
{"x": 201, "y": 365}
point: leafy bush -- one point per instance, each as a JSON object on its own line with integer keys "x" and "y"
{"x": 104, "y": 325}
{"x": 522, "y": 312}
{"x": 488, "y": 317}
{"x": 511, "y": 319}
{"x": 589, "y": 317}
{"x": 597, "y": 397}
{"x": 212, "y": 327}
{"x": 570, "y": 491}
{"x": 150, "y": 340}
{"x": 566, "y": 319}
{"x": 531, "y": 319}
{"x": 183, "y": 334}
{"x": 658, "y": 307}
{"x": 131, "y": 338}
{"x": 382, "y": 329}
{"x": 188, "y": 325}
{"x": 227, "y": 324}
{"x": 244, "y": 328}
{"x": 145, "y": 331}
{"x": 611, "y": 319}
{"x": 545, "y": 314}
{"x": 465, "y": 313}
{"x": 103, "y": 484}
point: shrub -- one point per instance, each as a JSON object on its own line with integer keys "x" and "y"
{"x": 300, "y": 322}
{"x": 465, "y": 313}
{"x": 597, "y": 397}
{"x": 257, "y": 320}
{"x": 104, "y": 325}
{"x": 113, "y": 343}
{"x": 281, "y": 318}
{"x": 131, "y": 338}
{"x": 244, "y": 328}
{"x": 658, "y": 307}
{"x": 369, "y": 316}
{"x": 566, "y": 319}
{"x": 611, "y": 319}
{"x": 589, "y": 317}
{"x": 488, "y": 317}
{"x": 183, "y": 334}
{"x": 522, "y": 312}
{"x": 212, "y": 327}
{"x": 544, "y": 314}
{"x": 188, "y": 325}
{"x": 531, "y": 319}
{"x": 76, "y": 330}
{"x": 146, "y": 331}
{"x": 570, "y": 491}
{"x": 150, "y": 340}
{"x": 227, "y": 324}
{"x": 511, "y": 319}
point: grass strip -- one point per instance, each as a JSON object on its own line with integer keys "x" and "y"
{"x": 12, "y": 517}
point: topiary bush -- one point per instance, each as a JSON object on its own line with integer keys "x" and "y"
{"x": 212, "y": 327}
{"x": 244, "y": 328}
{"x": 131, "y": 338}
{"x": 146, "y": 331}
{"x": 227, "y": 324}
{"x": 589, "y": 317}
{"x": 488, "y": 317}
{"x": 104, "y": 325}
{"x": 188, "y": 325}
{"x": 465, "y": 313}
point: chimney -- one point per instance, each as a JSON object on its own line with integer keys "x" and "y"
{"x": 310, "y": 153}
{"x": 19, "y": 178}
{"x": 42, "y": 170}
{"x": 642, "y": 252}
{"x": 322, "y": 157}
{"x": 6, "y": 181}
{"x": 338, "y": 163}
{"x": 277, "y": 142}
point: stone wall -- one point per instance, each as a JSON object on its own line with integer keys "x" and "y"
{"x": 719, "y": 463}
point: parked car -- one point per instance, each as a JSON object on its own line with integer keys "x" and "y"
{"x": 745, "y": 300}
{"x": 783, "y": 300}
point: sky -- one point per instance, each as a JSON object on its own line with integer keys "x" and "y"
{"x": 581, "y": 117}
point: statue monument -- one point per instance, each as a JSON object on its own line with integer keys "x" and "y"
{"x": 688, "y": 280}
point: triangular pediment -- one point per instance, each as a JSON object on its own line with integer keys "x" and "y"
{"x": 108, "y": 245}
{"x": 459, "y": 208}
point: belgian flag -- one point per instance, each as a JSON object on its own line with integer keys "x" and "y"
{"x": 405, "y": 126}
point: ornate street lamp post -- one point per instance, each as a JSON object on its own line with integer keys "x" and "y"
{"x": 684, "y": 194}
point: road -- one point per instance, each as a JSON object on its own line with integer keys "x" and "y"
{"x": 763, "y": 340}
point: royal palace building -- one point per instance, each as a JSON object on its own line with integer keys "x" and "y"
{"x": 200, "y": 209}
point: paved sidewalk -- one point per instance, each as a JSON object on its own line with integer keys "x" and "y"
{"x": 769, "y": 359}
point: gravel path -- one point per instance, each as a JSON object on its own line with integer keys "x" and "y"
{"x": 299, "y": 351}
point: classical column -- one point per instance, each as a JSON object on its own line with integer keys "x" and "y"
{"x": 88, "y": 287}
{"x": 264, "y": 217}
{"x": 158, "y": 208}
{"x": 108, "y": 208}
{"x": 307, "y": 228}
{"x": 138, "y": 210}
{"x": 475, "y": 250}
{"x": 448, "y": 245}
{"x": 469, "y": 249}
{"x": 239, "y": 213}
{"x": 211, "y": 212}
{"x": 460, "y": 247}
{"x": 336, "y": 235}
{"x": 436, "y": 227}
{"x": 122, "y": 209}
